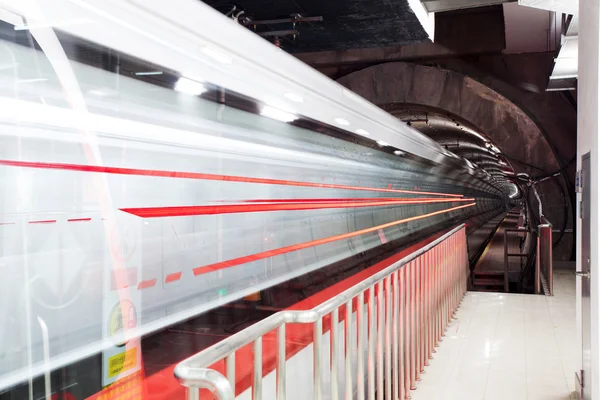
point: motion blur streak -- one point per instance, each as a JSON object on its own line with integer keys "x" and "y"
{"x": 201, "y": 176}
{"x": 287, "y": 249}
{"x": 334, "y": 200}
{"x": 156, "y": 212}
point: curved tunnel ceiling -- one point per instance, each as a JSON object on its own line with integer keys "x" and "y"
{"x": 459, "y": 136}
{"x": 393, "y": 85}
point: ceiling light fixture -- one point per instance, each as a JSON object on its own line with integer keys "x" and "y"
{"x": 189, "y": 86}
{"x": 217, "y": 55}
{"x": 399, "y": 152}
{"x": 148, "y": 73}
{"x": 294, "y": 97}
{"x": 277, "y": 114}
{"x": 363, "y": 132}
{"x": 382, "y": 143}
{"x": 341, "y": 121}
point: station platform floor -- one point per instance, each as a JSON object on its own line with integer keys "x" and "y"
{"x": 507, "y": 346}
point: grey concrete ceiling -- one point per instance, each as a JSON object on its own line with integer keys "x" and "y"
{"x": 346, "y": 23}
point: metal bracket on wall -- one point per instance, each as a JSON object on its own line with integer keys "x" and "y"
{"x": 579, "y": 181}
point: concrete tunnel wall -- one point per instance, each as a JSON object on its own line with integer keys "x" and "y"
{"x": 392, "y": 85}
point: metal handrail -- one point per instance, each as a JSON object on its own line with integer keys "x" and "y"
{"x": 543, "y": 264}
{"x": 507, "y": 254}
{"x": 193, "y": 374}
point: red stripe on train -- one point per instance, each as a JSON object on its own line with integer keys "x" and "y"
{"x": 172, "y": 277}
{"x": 147, "y": 284}
{"x": 157, "y": 212}
{"x": 203, "y": 176}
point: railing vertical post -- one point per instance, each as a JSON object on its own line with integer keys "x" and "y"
{"x": 453, "y": 279}
{"x": 456, "y": 270}
{"x": 361, "y": 332}
{"x": 545, "y": 254}
{"x": 193, "y": 393}
{"x": 423, "y": 336}
{"x": 448, "y": 282}
{"x": 349, "y": 347}
{"x": 444, "y": 245}
{"x": 230, "y": 365}
{"x": 402, "y": 327}
{"x": 257, "y": 389}
{"x": 413, "y": 341}
{"x": 380, "y": 335}
{"x": 406, "y": 329}
{"x": 395, "y": 337}
{"x": 280, "y": 362}
{"x": 455, "y": 273}
{"x": 440, "y": 293}
{"x": 418, "y": 306}
{"x": 464, "y": 265}
{"x": 506, "y": 261}
{"x": 537, "y": 266}
{"x": 429, "y": 255}
{"x": 444, "y": 286}
{"x": 371, "y": 345}
{"x": 388, "y": 344}
{"x": 334, "y": 340}
{"x": 434, "y": 271}
{"x": 550, "y": 267}
{"x": 465, "y": 260}
{"x": 317, "y": 362}
{"x": 452, "y": 288}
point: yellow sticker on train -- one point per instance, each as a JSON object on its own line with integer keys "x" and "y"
{"x": 122, "y": 362}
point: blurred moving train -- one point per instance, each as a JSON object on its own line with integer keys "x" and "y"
{"x": 158, "y": 160}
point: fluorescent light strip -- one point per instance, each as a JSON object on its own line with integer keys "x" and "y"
{"x": 341, "y": 121}
{"x": 294, "y": 97}
{"x": 277, "y": 114}
{"x": 148, "y": 73}
{"x": 189, "y": 86}
{"x": 217, "y": 55}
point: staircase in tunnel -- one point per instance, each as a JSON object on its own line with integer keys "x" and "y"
{"x": 489, "y": 272}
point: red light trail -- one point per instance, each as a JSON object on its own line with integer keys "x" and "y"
{"x": 157, "y": 212}
{"x": 287, "y": 249}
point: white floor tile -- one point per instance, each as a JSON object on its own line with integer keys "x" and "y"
{"x": 507, "y": 347}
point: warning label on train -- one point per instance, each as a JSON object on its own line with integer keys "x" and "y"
{"x": 124, "y": 358}
{"x": 122, "y": 362}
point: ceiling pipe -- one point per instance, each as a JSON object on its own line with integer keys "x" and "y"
{"x": 444, "y": 124}
{"x": 456, "y": 144}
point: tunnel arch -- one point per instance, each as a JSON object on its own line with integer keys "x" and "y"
{"x": 393, "y": 85}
